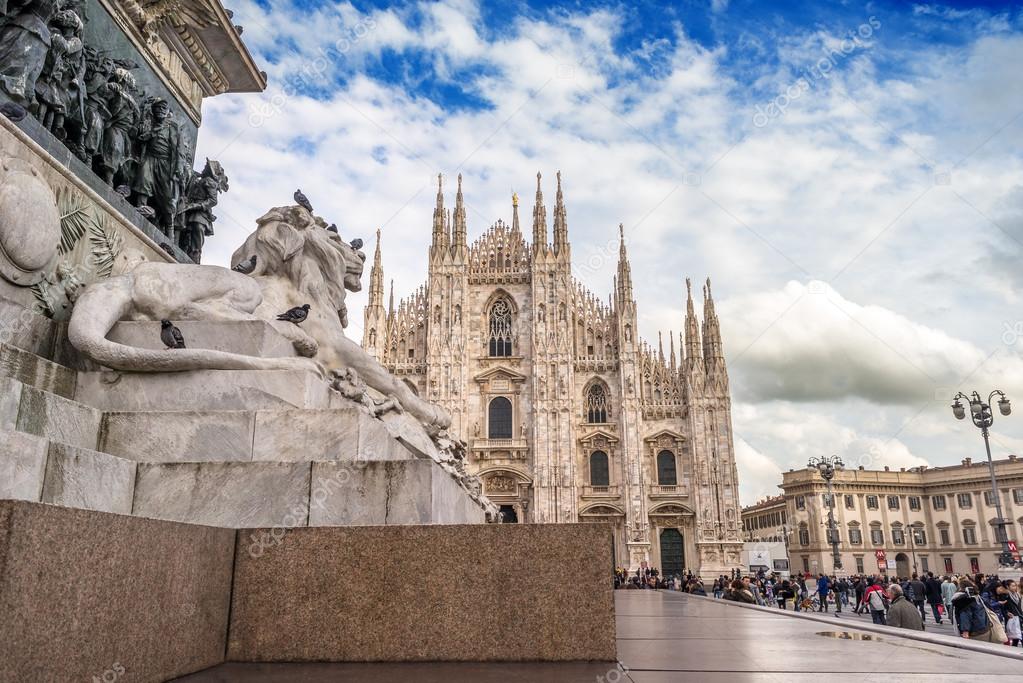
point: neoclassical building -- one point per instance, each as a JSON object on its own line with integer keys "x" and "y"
{"x": 568, "y": 415}
{"x": 938, "y": 519}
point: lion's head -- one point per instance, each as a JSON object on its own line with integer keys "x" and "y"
{"x": 293, "y": 244}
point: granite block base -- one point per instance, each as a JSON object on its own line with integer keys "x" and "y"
{"x": 495, "y": 592}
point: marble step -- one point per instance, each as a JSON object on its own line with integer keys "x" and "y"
{"x": 34, "y": 370}
{"x": 202, "y": 390}
{"x": 27, "y": 409}
{"x": 37, "y": 469}
{"x": 282, "y": 495}
{"x": 247, "y": 337}
{"x": 345, "y": 435}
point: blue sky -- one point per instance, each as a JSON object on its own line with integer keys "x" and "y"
{"x": 849, "y": 174}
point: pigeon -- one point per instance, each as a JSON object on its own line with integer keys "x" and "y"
{"x": 357, "y": 244}
{"x": 332, "y": 228}
{"x": 295, "y": 315}
{"x": 303, "y": 201}
{"x": 171, "y": 336}
{"x": 168, "y": 248}
{"x": 15, "y": 112}
{"x": 246, "y": 267}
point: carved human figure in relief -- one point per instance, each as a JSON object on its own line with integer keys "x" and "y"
{"x": 24, "y": 43}
{"x": 121, "y": 116}
{"x": 195, "y": 212}
{"x": 159, "y": 171}
{"x": 59, "y": 86}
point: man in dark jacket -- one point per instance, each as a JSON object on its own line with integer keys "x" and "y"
{"x": 934, "y": 595}
{"x": 823, "y": 588}
{"x": 919, "y": 595}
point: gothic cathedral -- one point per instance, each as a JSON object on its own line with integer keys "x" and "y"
{"x": 568, "y": 415}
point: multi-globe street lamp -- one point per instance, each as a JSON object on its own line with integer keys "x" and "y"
{"x": 983, "y": 418}
{"x": 827, "y": 466}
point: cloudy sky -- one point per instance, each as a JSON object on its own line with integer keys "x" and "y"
{"x": 848, "y": 174}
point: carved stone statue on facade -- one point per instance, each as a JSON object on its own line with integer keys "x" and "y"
{"x": 195, "y": 210}
{"x": 24, "y": 43}
{"x": 158, "y": 178}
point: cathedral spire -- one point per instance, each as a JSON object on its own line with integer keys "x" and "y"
{"x": 440, "y": 236}
{"x": 376, "y": 277}
{"x": 624, "y": 269}
{"x": 694, "y": 354}
{"x": 459, "y": 239}
{"x": 712, "y": 355}
{"x": 560, "y": 221}
{"x": 539, "y": 219}
{"x": 390, "y": 306}
{"x": 671, "y": 340}
{"x": 660, "y": 346}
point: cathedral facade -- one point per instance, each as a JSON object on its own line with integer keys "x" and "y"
{"x": 568, "y": 415}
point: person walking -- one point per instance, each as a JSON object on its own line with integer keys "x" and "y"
{"x": 859, "y": 588}
{"x": 1012, "y": 607}
{"x": 948, "y": 589}
{"x": 823, "y": 588}
{"x": 843, "y": 593}
{"x": 875, "y": 598}
{"x": 919, "y": 595}
{"x": 933, "y": 591}
{"x": 903, "y": 614}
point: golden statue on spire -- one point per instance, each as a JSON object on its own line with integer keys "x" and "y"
{"x": 515, "y": 198}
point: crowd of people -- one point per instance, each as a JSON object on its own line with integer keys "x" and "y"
{"x": 979, "y": 607}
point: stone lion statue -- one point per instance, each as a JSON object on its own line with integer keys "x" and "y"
{"x": 298, "y": 262}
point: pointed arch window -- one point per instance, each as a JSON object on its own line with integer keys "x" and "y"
{"x": 600, "y": 473}
{"x": 667, "y": 472}
{"x": 597, "y": 404}
{"x": 500, "y": 342}
{"x": 499, "y": 424}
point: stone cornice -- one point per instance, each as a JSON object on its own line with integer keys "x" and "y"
{"x": 192, "y": 47}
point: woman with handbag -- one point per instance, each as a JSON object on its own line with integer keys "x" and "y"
{"x": 1012, "y": 607}
{"x": 975, "y": 620}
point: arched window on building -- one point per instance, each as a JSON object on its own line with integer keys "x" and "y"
{"x": 600, "y": 474}
{"x": 500, "y": 329}
{"x": 597, "y": 407}
{"x": 499, "y": 423}
{"x": 667, "y": 474}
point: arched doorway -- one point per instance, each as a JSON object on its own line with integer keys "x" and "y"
{"x": 673, "y": 558}
{"x": 902, "y": 566}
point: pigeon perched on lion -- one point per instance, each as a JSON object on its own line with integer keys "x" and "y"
{"x": 297, "y": 262}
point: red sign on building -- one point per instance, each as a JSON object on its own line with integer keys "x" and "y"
{"x": 882, "y": 560}
{"x": 1014, "y": 549}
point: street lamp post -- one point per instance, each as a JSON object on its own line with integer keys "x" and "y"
{"x": 827, "y": 466}
{"x": 983, "y": 418}
{"x": 912, "y": 544}
{"x": 785, "y": 530}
